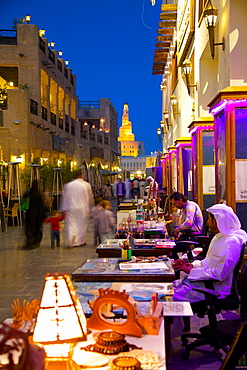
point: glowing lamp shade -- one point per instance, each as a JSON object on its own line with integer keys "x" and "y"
{"x": 28, "y": 18}
{"x": 60, "y": 323}
{"x": 210, "y": 15}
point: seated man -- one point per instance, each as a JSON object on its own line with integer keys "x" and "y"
{"x": 192, "y": 221}
{"x": 222, "y": 256}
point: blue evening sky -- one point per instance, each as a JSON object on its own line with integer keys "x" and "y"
{"x": 110, "y": 45}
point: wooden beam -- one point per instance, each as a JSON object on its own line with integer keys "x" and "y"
{"x": 164, "y": 24}
{"x": 160, "y": 51}
{"x": 160, "y": 56}
{"x": 166, "y": 31}
{"x": 169, "y": 7}
{"x": 159, "y": 45}
{"x": 156, "y": 73}
{"x": 163, "y": 44}
{"x": 159, "y": 66}
{"x": 168, "y": 16}
{"x": 164, "y": 38}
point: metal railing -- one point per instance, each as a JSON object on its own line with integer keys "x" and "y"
{"x": 8, "y": 37}
{"x": 88, "y": 104}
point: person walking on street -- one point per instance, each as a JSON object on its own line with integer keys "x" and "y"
{"x": 142, "y": 187}
{"x": 55, "y": 227}
{"x": 153, "y": 188}
{"x": 120, "y": 190}
{"x": 77, "y": 202}
{"x": 34, "y": 217}
{"x": 136, "y": 187}
{"x": 93, "y": 215}
{"x": 105, "y": 222}
{"x": 128, "y": 187}
{"x": 107, "y": 191}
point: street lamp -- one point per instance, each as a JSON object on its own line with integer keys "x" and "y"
{"x": 174, "y": 104}
{"x": 187, "y": 69}
{"x": 28, "y": 18}
{"x": 52, "y": 44}
{"x": 42, "y": 32}
{"x": 159, "y": 133}
{"x": 210, "y": 15}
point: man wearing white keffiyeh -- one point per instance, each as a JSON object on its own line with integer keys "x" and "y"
{"x": 222, "y": 256}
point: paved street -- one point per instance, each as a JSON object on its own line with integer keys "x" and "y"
{"x": 22, "y": 271}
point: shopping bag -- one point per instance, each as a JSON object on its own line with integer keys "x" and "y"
{"x": 24, "y": 204}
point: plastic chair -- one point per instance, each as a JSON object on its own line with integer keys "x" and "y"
{"x": 48, "y": 203}
{"x": 13, "y": 213}
{"x": 211, "y": 306}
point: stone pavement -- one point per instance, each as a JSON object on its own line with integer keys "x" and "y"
{"x": 22, "y": 271}
{"x": 22, "y": 276}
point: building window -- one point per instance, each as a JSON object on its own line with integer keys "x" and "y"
{"x": 106, "y": 141}
{"x": 51, "y": 56}
{"x": 44, "y": 113}
{"x": 53, "y": 119}
{"x": 99, "y": 139}
{"x": 66, "y": 73}
{"x": 42, "y": 45}
{"x": 72, "y": 126}
{"x": 33, "y": 107}
{"x": 72, "y": 80}
{"x": 61, "y": 123}
{"x": 92, "y": 137}
{"x": 59, "y": 66}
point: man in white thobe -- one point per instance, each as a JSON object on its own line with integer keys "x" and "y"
{"x": 77, "y": 202}
{"x": 222, "y": 256}
{"x": 153, "y": 188}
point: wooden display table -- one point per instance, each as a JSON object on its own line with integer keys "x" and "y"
{"x": 110, "y": 248}
{"x": 107, "y": 269}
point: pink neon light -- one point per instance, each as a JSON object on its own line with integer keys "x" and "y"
{"x": 180, "y": 145}
{"x": 223, "y": 103}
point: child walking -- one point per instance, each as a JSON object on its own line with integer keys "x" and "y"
{"x": 105, "y": 222}
{"x": 55, "y": 227}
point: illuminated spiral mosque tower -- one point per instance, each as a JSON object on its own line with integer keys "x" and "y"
{"x": 129, "y": 147}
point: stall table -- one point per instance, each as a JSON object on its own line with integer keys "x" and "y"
{"x": 107, "y": 270}
{"x": 157, "y": 247}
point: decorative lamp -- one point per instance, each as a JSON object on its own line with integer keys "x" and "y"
{"x": 28, "y": 18}
{"x": 163, "y": 127}
{"x": 66, "y": 63}
{"x": 210, "y": 14}
{"x": 42, "y": 32}
{"x": 60, "y": 323}
{"x": 159, "y": 133}
{"x": 52, "y": 44}
{"x": 187, "y": 69}
{"x": 166, "y": 114}
{"x": 174, "y": 103}
{"x": 60, "y": 53}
